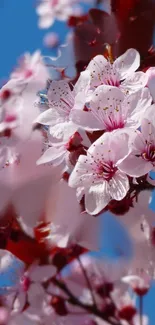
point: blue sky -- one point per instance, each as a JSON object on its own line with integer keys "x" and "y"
{"x": 19, "y": 33}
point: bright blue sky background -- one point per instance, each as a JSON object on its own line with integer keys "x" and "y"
{"x": 19, "y": 33}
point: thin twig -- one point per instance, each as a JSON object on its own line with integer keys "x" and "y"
{"x": 90, "y": 309}
{"x": 141, "y": 309}
{"x": 87, "y": 281}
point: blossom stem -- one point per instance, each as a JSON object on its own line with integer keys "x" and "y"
{"x": 90, "y": 309}
{"x": 87, "y": 281}
{"x": 141, "y": 309}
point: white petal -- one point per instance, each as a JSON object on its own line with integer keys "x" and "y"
{"x": 60, "y": 95}
{"x": 36, "y": 295}
{"x": 83, "y": 82}
{"x": 82, "y": 174}
{"x": 135, "y": 82}
{"x": 43, "y": 8}
{"x": 42, "y": 273}
{"x": 112, "y": 146}
{"x": 85, "y": 120}
{"x": 127, "y": 63}
{"x": 63, "y": 131}
{"x": 119, "y": 185}
{"x": 46, "y": 21}
{"x": 137, "y": 103}
{"x": 151, "y": 81}
{"x": 54, "y": 155}
{"x": 20, "y": 302}
{"x": 97, "y": 68}
{"x": 97, "y": 197}
{"x": 135, "y": 166}
{"x": 49, "y": 117}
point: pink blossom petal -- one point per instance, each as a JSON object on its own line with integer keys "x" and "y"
{"x": 46, "y": 21}
{"x": 151, "y": 81}
{"x": 60, "y": 94}
{"x": 97, "y": 197}
{"x": 83, "y": 83}
{"x": 49, "y": 117}
{"x": 82, "y": 174}
{"x": 135, "y": 166}
{"x": 20, "y": 302}
{"x": 105, "y": 146}
{"x": 138, "y": 104}
{"x": 127, "y": 63}
{"x": 86, "y": 120}
{"x": 62, "y": 131}
{"x": 97, "y": 68}
{"x": 43, "y": 8}
{"x": 42, "y": 273}
{"x": 135, "y": 81}
{"x": 54, "y": 155}
{"x": 119, "y": 186}
{"x": 36, "y": 295}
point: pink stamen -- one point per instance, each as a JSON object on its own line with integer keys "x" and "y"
{"x": 10, "y": 118}
{"x": 28, "y": 73}
{"x": 105, "y": 170}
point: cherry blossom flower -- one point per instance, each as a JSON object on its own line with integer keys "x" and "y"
{"x": 49, "y": 10}
{"x": 110, "y": 109}
{"x": 61, "y": 102}
{"x": 140, "y": 284}
{"x": 141, "y": 159}
{"x": 67, "y": 151}
{"x": 32, "y": 71}
{"x": 121, "y": 73}
{"x": 29, "y": 286}
{"x": 98, "y": 173}
{"x": 22, "y": 178}
{"x": 51, "y": 40}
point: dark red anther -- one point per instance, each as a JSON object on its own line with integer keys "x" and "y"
{"x": 65, "y": 176}
{"x": 59, "y": 260}
{"x": 5, "y": 94}
{"x": 104, "y": 289}
{"x": 74, "y": 142}
{"x": 127, "y": 312}
{"x": 7, "y": 133}
{"x": 59, "y": 306}
{"x": 108, "y": 309}
{"x": 141, "y": 291}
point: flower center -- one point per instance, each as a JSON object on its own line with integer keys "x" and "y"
{"x": 54, "y": 3}
{"x": 106, "y": 170}
{"x": 10, "y": 118}
{"x": 28, "y": 73}
{"x": 112, "y": 81}
{"x": 149, "y": 153}
{"x": 113, "y": 123}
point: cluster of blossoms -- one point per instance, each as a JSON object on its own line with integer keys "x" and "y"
{"x": 49, "y": 10}
{"x": 72, "y": 152}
